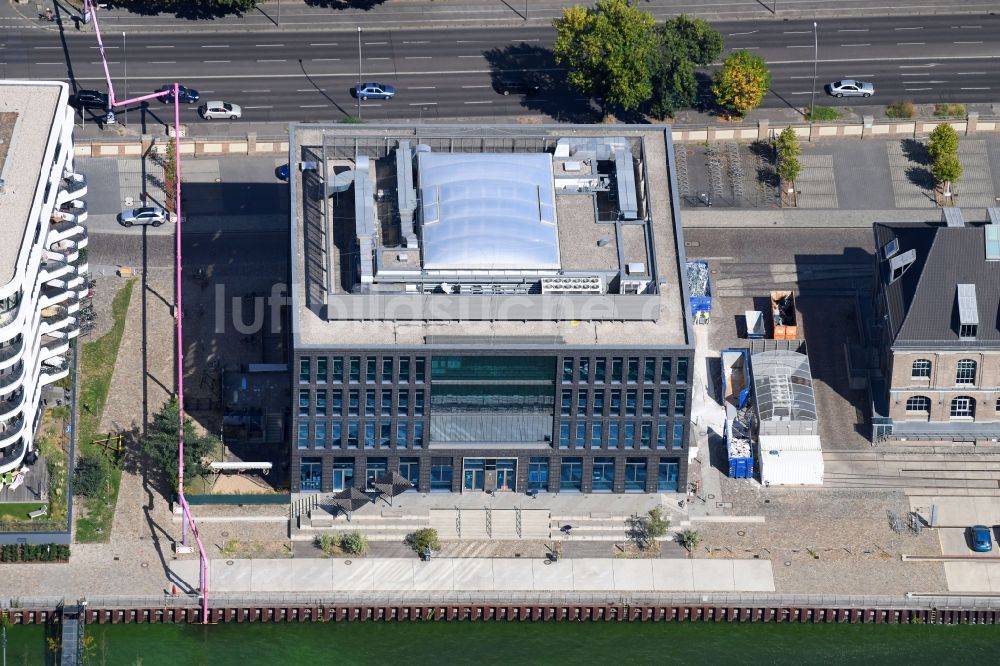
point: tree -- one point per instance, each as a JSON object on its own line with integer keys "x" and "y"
{"x": 943, "y": 141}
{"x": 606, "y": 50}
{"x": 170, "y": 176}
{"x": 787, "y": 145}
{"x": 690, "y": 539}
{"x": 947, "y": 169}
{"x": 742, "y": 82}
{"x": 424, "y": 540}
{"x": 683, "y": 43}
{"x": 160, "y": 444}
{"x": 90, "y": 476}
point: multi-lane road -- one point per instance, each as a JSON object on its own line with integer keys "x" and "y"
{"x": 441, "y": 73}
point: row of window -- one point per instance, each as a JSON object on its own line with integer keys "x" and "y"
{"x": 962, "y": 407}
{"x": 965, "y": 372}
{"x": 625, "y": 435}
{"x": 622, "y": 370}
{"x": 323, "y": 403}
{"x": 363, "y": 434}
{"x": 358, "y": 369}
{"x": 612, "y": 401}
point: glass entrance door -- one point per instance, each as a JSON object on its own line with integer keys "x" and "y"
{"x": 506, "y": 474}
{"x": 310, "y": 475}
{"x": 474, "y": 476}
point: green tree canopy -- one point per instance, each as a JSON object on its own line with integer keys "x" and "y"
{"x": 742, "y": 82}
{"x": 606, "y": 50}
{"x": 943, "y": 141}
{"x": 946, "y": 169}
{"x": 160, "y": 444}
{"x": 683, "y": 43}
{"x": 787, "y": 145}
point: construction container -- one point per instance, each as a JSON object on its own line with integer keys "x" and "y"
{"x": 783, "y": 315}
{"x": 739, "y": 415}
{"x": 699, "y": 290}
{"x": 755, "y": 324}
{"x": 791, "y": 460}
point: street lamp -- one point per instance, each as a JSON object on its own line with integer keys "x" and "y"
{"x": 356, "y": 93}
{"x": 125, "y": 68}
{"x": 812, "y": 107}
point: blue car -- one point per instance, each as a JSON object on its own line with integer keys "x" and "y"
{"x": 981, "y": 539}
{"x": 185, "y": 95}
{"x": 282, "y": 172}
{"x": 368, "y": 91}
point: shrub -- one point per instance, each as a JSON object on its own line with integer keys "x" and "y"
{"x": 822, "y": 114}
{"x": 46, "y": 552}
{"x": 657, "y": 525}
{"x": 690, "y": 539}
{"x": 90, "y": 476}
{"x": 949, "y": 110}
{"x": 354, "y": 543}
{"x": 326, "y": 543}
{"x": 903, "y": 109}
{"x": 422, "y": 540}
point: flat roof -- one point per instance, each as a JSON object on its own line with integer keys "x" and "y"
{"x": 27, "y": 113}
{"x": 487, "y": 211}
{"x": 588, "y": 241}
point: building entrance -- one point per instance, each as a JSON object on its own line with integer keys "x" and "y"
{"x": 489, "y": 474}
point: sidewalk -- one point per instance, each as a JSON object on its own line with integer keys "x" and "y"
{"x": 336, "y": 16}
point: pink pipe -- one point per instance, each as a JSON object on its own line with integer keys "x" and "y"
{"x": 185, "y": 509}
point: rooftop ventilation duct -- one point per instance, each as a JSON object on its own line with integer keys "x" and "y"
{"x": 405, "y": 193}
{"x": 610, "y": 148}
{"x": 364, "y": 218}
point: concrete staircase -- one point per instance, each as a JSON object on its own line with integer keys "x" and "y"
{"x": 490, "y": 524}
{"x": 590, "y": 527}
{"x": 926, "y": 470}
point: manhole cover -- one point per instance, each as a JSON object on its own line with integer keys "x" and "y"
{"x": 787, "y": 563}
{"x": 144, "y": 565}
{"x": 229, "y": 562}
{"x": 742, "y": 533}
{"x": 225, "y": 534}
{"x": 347, "y": 562}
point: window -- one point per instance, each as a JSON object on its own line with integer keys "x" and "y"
{"x": 966, "y": 373}
{"x": 603, "y": 476}
{"x": 921, "y": 369}
{"x": 567, "y": 402}
{"x": 598, "y": 403}
{"x": 409, "y": 469}
{"x": 352, "y": 434}
{"x": 369, "y": 435}
{"x": 421, "y": 370}
{"x": 320, "y": 403}
{"x": 564, "y": 435}
{"x": 629, "y": 435}
{"x": 649, "y": 371}
{"x": 665, "y": 371}
{"x": 918, "y": 404}
{"x": 337, "y": 404}
{"x": 968, "y": 331}
{"x": 584, "y": 370}
{"x": 661, "y": 435}
{"x": 418, "y": 435}
{"x": 664, "y": 409}
{"x": 666, "y": 479}
{"x": 304, "y": 370}
{"x": 635, "y": 475}
{"x": 678, "y": 440}
{"x": 581, "y": 402}
{"x": 682, "y": 371}
{"x": 370, "y": 369}
{"x": 355, "y": 370}
{"x": 386, "y": 409}
{"x": 311, "y": 474}
{"x": 963, "y": 407}
{"x": 403, "y": 435}
{"x": 370, "y": 402}
{"x": 338, "y": 370}
{"x": 570, "y": 474}
{"x": 418, "y": 403}
{"x": 404, "y": 371}
{"x": 375, "y": 468}
{"x": 581, "y": 435}
{"x": 596, "y": 434}
{"x": 343, "y": 473}
{"x": 441, "y": 475}
{"x": 890, "y": 249}
{"x": 567, "y": 372}
{"x": 630, "y": 398}
{"x": 680, "y": 401}
{"x": 647, "y": 402}
{"x": 384, "y": 434}
{"x": 600, "y": 366}
{"x": 899, "y": 263}
{"x": 645, "y": 434}
{"x": 998, "y": 405}
{"x": 613, "y": 429}
{"x": 616, "y": 370}
{"x": 319, "y": 436}
{"x": 321, "y": 366}
{"x": 404, "y": 403}
{"x": 633, "y": 370}
{"x": 336, "y": 435}
{"x": 616, "y": 403}
{"x": 304, "y": 435}
{"x": 538, "y": 474}
{"x": 303, "y": 402}
{"x": 387, "y": 371}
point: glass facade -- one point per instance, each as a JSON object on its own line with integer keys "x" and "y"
{"x": 538, "y": 474}
{"x": 483, "y": 368}
{"x": 603, "y": 477}
{"x": 571, "y": 474}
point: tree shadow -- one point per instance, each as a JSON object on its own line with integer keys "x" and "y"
{"x": 767, "y": 172}
{"x": 182, "y": 9}
{"x": 534, "y": 65}
{"x": 344, "y": 4}
{"x": 916, "y": 151}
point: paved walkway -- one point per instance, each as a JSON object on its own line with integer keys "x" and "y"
{"x": 481, "y": 575}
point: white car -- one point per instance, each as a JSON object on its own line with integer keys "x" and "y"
{"x": 151, "y": 215}
{"x": 213, "y": 110}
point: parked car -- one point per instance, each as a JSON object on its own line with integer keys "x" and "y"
{"x": 374, "y": 91}
{"x": 151, "y": 215}
{"x": 282, "y": 172}
{"x": 979, "y": 537}
{"x": 850, "y": 88}
{"x": 90, "y": 99}
{"x": 186, "y": 95}
{"x": 507, "y": 85}
{"x": 213, "y": 110}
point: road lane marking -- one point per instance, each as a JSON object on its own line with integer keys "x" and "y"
{"x": 418, "y": 57}
{"x": 255, "y": 91}
{"x": 420, "y": 42}
{"x": 46, "y": 47}
{"x": 272, "y": 61}
{"x": 486, "y": 102}
{"x": 915, "y": 74}
{"x": 797, "y": 32}
{"x": 807, "y": 92}
{"x": 973, "y": 88}
{"x": 740, "y": 34}
{"x": 969, "y": 27}
{"x": 309, "y": 89}
{"x": 375, "y": 43}
{"x": 967, "y": 42}
{"x": 478, "y": 86}
{"x": 853, "y": 30}
{"x": 421, "y": 87}
{"x": 162, "y": 62}
{"x": 850, "y": 45}
{"x": 215, "y": 46}
{"x": 325, "y": 44}
{"x": 165, "y": 46}
{"x": 258, "y": 107}
{"x": 323, "y": 59}
{"x": 799, "y": 46}
{"x": 930, "y": 64}
{"x": 471, "y": 56}
{"x": 312, "y": 106}
{"x": 916, "y": 89}
{"x": 263, "y": 46}
{"x": 52, "y": 63}
{"x": 379, "y": 58}
{"x": 423, "y": 103}
{"x": 911, "y": 28}
{"x": 971, "y": 73}
{"x": 208, "y": 61}
{"x": 911, "y": 43}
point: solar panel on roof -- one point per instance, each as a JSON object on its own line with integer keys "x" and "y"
{"x": 992, "y": 242}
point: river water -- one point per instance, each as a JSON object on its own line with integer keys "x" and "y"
{"x": 519, "y": 643}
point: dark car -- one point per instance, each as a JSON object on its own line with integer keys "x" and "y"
{"x": 282, "y": 172}
{"x": 374, "y": 91}
{"x": 185, "y": 95}
{"x": 516, "y": 86}
{"x": 979, "y": 536}
{"x": 90, "y": 99}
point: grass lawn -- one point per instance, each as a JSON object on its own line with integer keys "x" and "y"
{"x": 97, "y": 363}
{"x": 18, "y": 510}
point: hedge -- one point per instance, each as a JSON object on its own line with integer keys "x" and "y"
{"x": 19, "y": 552}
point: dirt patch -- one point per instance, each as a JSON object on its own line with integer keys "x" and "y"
{"x": 238, "y": 484}
{"x": 7, "y": 121}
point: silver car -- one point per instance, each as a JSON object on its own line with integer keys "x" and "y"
{"x": 213, "y": 110}
{"x": 850, "y": 88}
{"x": 151, "y": 215}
